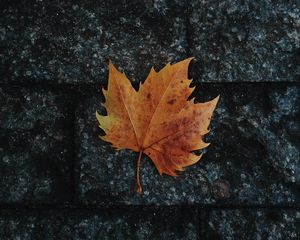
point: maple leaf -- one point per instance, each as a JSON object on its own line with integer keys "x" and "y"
{"x": 158, "y": 119}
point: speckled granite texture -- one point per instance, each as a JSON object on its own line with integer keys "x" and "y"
{"x": 252, "y": 224}
{"x": 253, "y": 158}
{"x": 107, "y": 224}
{"x": 245, "y": 40}
{"x": 59, "y": 181}
{"x": 36, "y": 146}
{"x": 71, "y": 41}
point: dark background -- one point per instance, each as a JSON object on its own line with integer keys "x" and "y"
{"x": 58, "y": 181}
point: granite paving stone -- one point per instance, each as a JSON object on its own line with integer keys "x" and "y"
{"x": 135, "y": 223}
{"x": 71, "y": 41}
{"x": 253, "y": 157}
{"x": 253, "y": 224}
{"x": 58, "y": 180}
{"x": 246, "y": 41}
{"x": 35, "y": 146}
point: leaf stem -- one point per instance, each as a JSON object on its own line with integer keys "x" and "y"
{"x": 139, "y": 187}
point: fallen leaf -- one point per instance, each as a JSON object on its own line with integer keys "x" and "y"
{"x": 158, "y": 119}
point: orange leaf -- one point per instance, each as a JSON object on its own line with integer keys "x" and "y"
{"x": 157, "y": 120}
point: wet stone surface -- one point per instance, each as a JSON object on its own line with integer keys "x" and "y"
{"x": 35, "y": 146}
{"x": 100, "y": 224}
{"x": 71, "y": 41}
{"x": 253, "y": 157}
{"x": 245, "y": 40}
{"x": 253, "y": 224}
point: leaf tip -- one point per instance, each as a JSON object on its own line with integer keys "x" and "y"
{"x": 102, "y": 137}
{"x": 217, "y": 98}
{"x": 190, "y": 59}
{"x": 214, "y": 102}
{"x": 98, "y": 116}
{"x": 152, "y": 70}
{"x": 111, "y": 66}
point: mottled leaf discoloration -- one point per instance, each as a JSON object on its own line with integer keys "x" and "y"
{"x": 157, "y": 120}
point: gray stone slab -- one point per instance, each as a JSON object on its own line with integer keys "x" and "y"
{"x": 71, "y": 41}
{"x": 253, "y": 224}
{"x": 253, "y": 157}
{"x": 35, "y": 146}
{"x": 106, "y": 224}
{"x": 245, "y": 40}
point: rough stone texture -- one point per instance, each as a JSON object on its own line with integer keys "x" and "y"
{"x": 100, "y": 224}
{"x": 71, "y": 41}
{"x": 245, "y": 40}
{"x": 34, "y": 146}
{"x": 59, "y": 181}
{"x": 253, "y": 158}
{"x": 253, "y": 224}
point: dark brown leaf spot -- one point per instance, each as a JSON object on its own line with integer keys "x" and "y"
{"x": 185, "y": 121}
{"x": 172, "y": 101}
{"x": 148, "y": 95}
